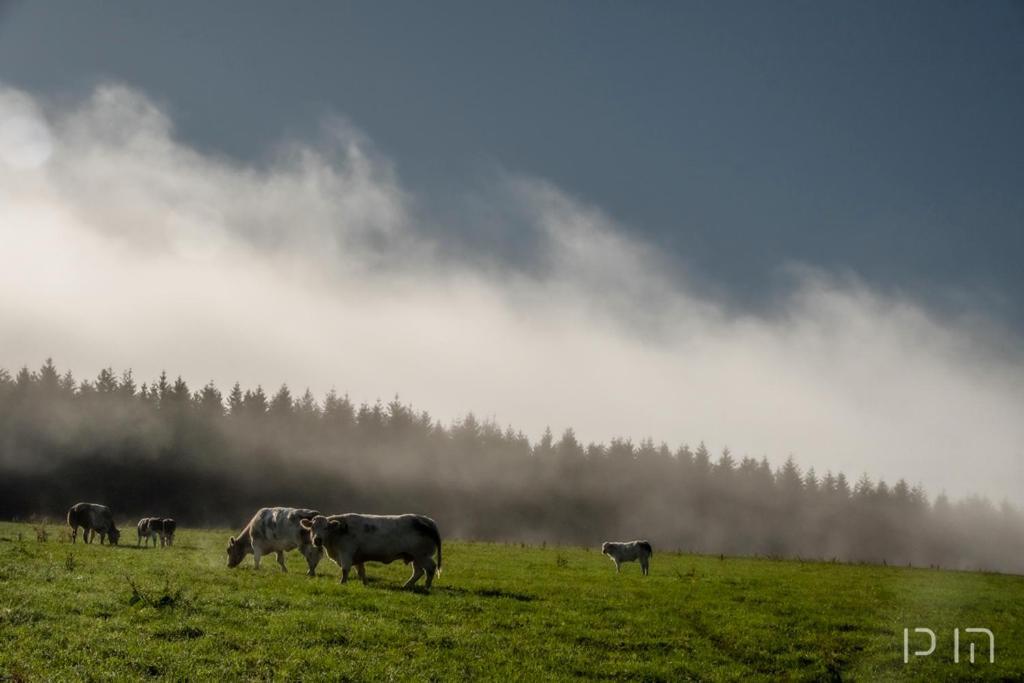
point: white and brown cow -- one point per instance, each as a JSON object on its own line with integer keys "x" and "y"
{"x": 147, "y": 531}
{"x": 629, "y": 552}
{"x": 353, "y": 539}
{"x": 275, "y": 530}
{"x": 156, "y": 529}
{"x": 93, "y": 519}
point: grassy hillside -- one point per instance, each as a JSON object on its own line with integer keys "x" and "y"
{"x": 498, "y": 611}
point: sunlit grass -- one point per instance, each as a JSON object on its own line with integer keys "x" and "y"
{"x": 498, "y": 611}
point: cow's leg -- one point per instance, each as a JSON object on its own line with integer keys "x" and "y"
{"x": 280, "y": 560}
{"x": 256, "y": 554}
{"x": 618, "y": 567}
{"x": 417, "y": 572}
{"x": 74, "y": 534}
{"x": 312, "y": 559}
{"x": 361, "y": 570}
{"x": 431, "y": 569}
{"x": 346, "y": 566}
{"x": 85, "y": 535}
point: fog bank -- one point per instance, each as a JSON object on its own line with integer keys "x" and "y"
{"x": 122, "y": 246}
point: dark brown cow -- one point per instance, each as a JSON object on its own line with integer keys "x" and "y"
{"x": 93, "y": 519}
{"x": 170, "y": 526}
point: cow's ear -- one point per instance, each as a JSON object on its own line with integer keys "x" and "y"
{"x": 232, "y": 541}
{"x": 306, "y": 524}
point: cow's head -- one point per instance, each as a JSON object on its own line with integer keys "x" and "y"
{"x": 114, "y": 535}
{"x": 236, "y": 552}
{"x": 321, "y": 529}
{"x": 604, "y": 548}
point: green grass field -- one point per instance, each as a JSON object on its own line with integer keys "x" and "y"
{"x": 77, "y": 612}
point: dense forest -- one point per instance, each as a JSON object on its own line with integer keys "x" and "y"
{"x": 162, "y": 448}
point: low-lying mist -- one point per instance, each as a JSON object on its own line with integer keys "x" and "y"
{"x": 205, "y": 458}
{"x": 122, "y": 244}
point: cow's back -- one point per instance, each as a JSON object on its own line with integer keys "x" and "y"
{"x": 279, "y": 528}
{"x": 381, "y": 535}
{"x": 90, "y": 516}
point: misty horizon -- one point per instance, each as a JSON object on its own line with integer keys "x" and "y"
{"x": 232, "y": 401}
{"x": 320, "y": 268}
{"x": 209, "y": 458}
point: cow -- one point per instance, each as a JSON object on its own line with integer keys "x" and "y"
{"x": 629, "y": 552}
{"x": 353, "y": 539}
{"x": 275, "y": 530}
{"x": 94, "y": 519}
{"x": 145, "y": 531}
{"x": 170, "y": 526}
{"x": 153, "y": 528}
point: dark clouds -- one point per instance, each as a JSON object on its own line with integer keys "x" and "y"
{"x": 737, "y": 138}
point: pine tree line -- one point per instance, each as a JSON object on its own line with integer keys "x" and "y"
{"x": 162, "y": 448}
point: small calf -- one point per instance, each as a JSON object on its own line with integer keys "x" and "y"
{"x": 629, "y": 552}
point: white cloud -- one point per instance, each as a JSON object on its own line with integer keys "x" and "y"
{"x": 123, "y": 246}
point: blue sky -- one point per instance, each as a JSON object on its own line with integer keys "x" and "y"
{"x": 786, "y": 229}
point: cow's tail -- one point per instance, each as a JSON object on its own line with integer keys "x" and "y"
{"x": 429, "y": 527}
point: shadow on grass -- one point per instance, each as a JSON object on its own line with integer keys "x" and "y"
{"x": 420, "y": 589}
{"x": 488, "y": 593}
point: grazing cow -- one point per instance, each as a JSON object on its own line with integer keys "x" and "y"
{"x": 94, "y": 519}
{"x": 275, "y": 530}
{"x": 353, "y": 539}
{"x": 629, "y": 552}
{"x": 170, "y": 526}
